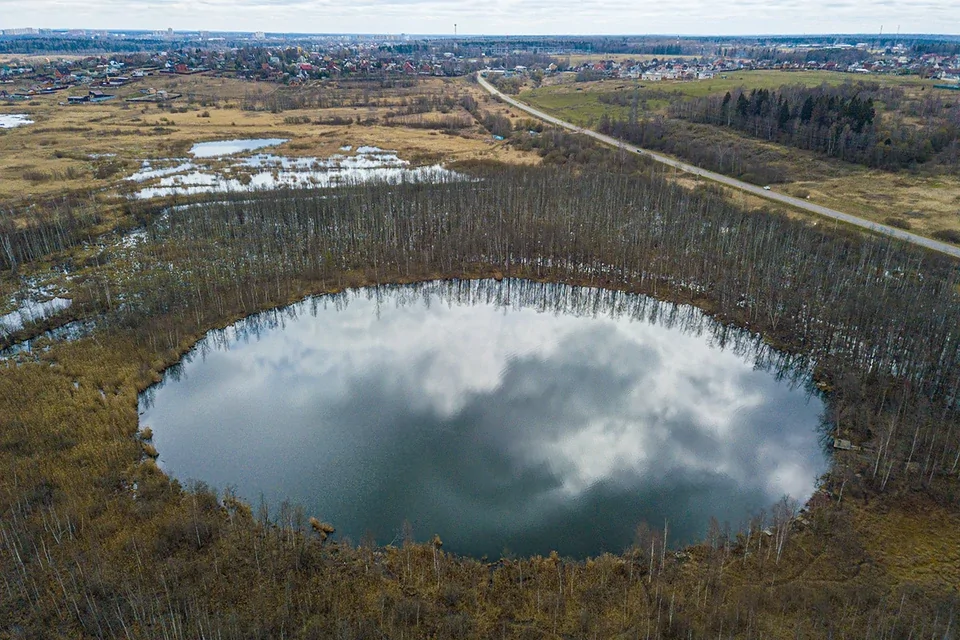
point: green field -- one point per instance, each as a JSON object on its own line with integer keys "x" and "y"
{"x": 773, "y": 79}
{"x": 579, "y": 102}
{"x": 582, "y": 107}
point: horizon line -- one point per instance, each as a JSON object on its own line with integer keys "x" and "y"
{"x": 198, "y": 31}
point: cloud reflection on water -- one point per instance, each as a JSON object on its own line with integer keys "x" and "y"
{"x": 543, "y": 423}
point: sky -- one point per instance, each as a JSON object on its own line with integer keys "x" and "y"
{"x": 495, "y": 17}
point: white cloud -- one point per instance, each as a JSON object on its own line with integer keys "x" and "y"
{"x": 697, "y": 17}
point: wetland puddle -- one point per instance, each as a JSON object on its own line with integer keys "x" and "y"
{"x": 268, "y": 171}
{"x": 30, "y": 310}
{"x": 220, "y": 148}
{"x": 503, "y": 416}
{"x": 64, "y": 333}
{"x": 14, "y": 120}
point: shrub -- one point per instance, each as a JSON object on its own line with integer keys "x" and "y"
{"x": 107, "y": 169}
{"x": 72, "y": 173}
{"x": 900, "y": 223}
{"x": 948, "y": 235}
{"x": 35, "y": 175}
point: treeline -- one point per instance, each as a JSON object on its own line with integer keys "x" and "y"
{"x": 838, "y": 121}
{"x": 868, "y": 308}
{"x": 555, "y": 146}
{"x": 528, "y": 59}
{"x": 497, "y": 124}
{"x": 37, "y": 45}
{"x": 779, "y": 55}
{"x": 30, "y": 233}
{"x": 353, "y": 93}
{"x": 825, "y": 49}
{"x": 558, "y": 148}
{"x": 510, "y": 86}
{"x": 443, "y": 103}
{"x": 310, "y": 98}
{"x": 729, "y": 157}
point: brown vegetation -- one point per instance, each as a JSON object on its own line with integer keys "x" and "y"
{"x": 79, "y": 148}
{"x": 98, "y": 542}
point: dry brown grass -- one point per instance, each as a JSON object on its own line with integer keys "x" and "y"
{"x": 927, "y": 203}
{"x": 58, "y": 153}
{"x": 919, "y": 544}
{"x": 63, "y": 143}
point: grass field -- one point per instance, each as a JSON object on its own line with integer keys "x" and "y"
{"x": 579, "y": 101}
{"x": 94, "y": 146}
{"x": 760, "y": 79}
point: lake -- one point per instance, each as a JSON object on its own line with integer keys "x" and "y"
{"x": 504, "y": 416}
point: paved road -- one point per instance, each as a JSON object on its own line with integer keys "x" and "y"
{"x": 875, "y": 227}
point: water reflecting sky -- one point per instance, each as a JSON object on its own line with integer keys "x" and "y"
{"x": 506, "y": 415}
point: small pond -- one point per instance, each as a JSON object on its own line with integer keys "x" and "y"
{"x": 506, "y": 415}
{"x": 14, "y": 120}
{"x": 220, "y": 148}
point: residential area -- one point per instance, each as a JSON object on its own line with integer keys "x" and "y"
{"x": 290, "y": 60}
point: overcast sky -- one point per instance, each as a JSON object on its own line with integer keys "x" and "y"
{"x": 509, "y": 17}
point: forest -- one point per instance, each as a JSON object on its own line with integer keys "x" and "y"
{"x": 666, "y": 134}
{"x": 841, "y": 122}
{"x": 97, "y": 542}
{"x": 38, "y": 45}
{"x": 861, "y": 123}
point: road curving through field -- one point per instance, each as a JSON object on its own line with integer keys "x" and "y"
{"x": 769, "y": 194}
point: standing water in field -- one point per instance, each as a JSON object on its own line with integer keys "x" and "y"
{"x": 219, "y": 148}
{"x": 263, "y": 171}
{"x": 14, "y": 120}
{"x": 503, "y": 416}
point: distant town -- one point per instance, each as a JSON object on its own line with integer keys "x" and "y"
{"x": 39, "y": 61}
